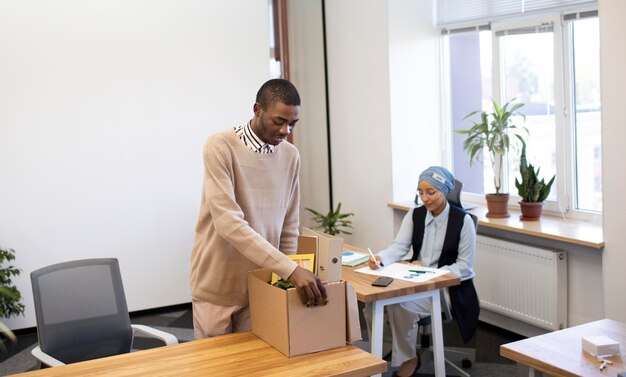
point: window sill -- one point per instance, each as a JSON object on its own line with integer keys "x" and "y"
{"x": 577, "y": 232}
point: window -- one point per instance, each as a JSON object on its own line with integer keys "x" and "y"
{"x": 471, "y": 87}
{"x": 551, "y": 64}
{"x": 586, "y": 114}
{"x": 527, "y": 73}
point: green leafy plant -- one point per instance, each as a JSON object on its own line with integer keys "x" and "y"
{"x": 531, "y": 189}
{"x": 10, "y": 296}
{"x": 493, "y": 133}
{"x": 332, "y": 222}
{"x": 284, "y": 284}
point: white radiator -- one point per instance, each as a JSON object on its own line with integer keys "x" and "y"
{"x": 522, "y": 282}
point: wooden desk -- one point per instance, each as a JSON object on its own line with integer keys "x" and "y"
{"x": 400, "y": 291}
{"x": 241, "y": 354}
{"x": 560, "y": 353}
{"x": 577, "y": 232}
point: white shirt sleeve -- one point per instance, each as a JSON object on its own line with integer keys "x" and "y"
{"x": 401, "y": 245}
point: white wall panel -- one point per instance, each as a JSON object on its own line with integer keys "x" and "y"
{"x": 104, "y": 108}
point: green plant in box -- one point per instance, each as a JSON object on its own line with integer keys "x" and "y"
{"x": 284, "y": 284}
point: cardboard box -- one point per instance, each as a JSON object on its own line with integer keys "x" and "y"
{"x": 329, "y": 249}
{"x": 280, "y": 319}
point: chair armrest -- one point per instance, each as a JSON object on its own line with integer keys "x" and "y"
{"x": 45, "y": 358}
{"x": 167, "y": 338}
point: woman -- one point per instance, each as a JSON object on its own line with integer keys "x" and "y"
{"x": 443, "y": 236}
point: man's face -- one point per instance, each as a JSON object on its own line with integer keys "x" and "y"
{"x": 273, "y": 124}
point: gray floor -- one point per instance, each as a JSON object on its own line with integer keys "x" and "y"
{"x": 482, "y": 351}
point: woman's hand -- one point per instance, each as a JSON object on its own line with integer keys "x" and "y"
{"x": 374, "y": 264}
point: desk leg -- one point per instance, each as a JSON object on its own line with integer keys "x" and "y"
{"x": 378, "y": 316}
{"x": 437, "y": 334}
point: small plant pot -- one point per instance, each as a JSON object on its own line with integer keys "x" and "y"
{"x": 530, "y": 211}
{"x": 497, "y": 206}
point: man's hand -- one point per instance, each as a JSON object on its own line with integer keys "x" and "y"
{"x": 312, "y": 291}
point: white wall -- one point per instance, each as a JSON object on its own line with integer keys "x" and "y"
{"x": 383, "y": 63}
{"x": 104, "y": 108}
{"x": 415, "y": 93}
{"x": 384, "y": 100}
{"x": 358, "y": 43}
{"x": 613, "y": 82}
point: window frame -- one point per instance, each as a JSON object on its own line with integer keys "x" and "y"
{"x": 564, "y": 108}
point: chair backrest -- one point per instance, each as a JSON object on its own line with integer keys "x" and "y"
{"x": 81, "y": 310}
{"x": 454, "y": 196}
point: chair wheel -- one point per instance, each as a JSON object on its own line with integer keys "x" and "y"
{"x": 466, "y": 363}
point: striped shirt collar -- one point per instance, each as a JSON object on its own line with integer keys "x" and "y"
{"x": 252, "y": 141}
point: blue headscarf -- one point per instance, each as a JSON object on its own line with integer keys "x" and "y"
{"x": 439, "y": 177}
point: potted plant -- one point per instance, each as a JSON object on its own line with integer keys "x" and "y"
{"x": 332, "y": 222}
{"x": 532, "y": 190}
{"x": 9, "y": 294}
{"x": 493, "y": 133}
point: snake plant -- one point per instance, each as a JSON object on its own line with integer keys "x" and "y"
{"x": 531, "y": 189}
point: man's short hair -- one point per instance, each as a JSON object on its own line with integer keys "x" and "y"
{"x": 277, "y": 90}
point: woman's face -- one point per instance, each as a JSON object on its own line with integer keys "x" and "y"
{"x": 433, "y": 199}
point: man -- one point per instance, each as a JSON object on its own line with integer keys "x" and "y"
{"x": 249, "y": 214}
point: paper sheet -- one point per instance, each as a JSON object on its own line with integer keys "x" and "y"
{"x": 406, "y": 272}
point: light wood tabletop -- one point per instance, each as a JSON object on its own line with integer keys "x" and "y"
{"x": 365, "y": 292}
{"x": 396, "y": 292}
{"x": 560, "y": 353}
{"x": 578, "y": 232}
{"x": 240, "y": 354}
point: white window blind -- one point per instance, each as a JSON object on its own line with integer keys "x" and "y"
{"x": 546, "y": 27}
{"x": 456, "y": 12}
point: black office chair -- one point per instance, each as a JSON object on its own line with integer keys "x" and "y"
{"x": 454, "y": 198}
{"x": 82, "y": 314}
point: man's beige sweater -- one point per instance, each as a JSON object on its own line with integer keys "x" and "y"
{"x": 248, "y": 217}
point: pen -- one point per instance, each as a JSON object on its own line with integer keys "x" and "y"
{"x": 421, "y": 271}
{"x": 373, "y": 257}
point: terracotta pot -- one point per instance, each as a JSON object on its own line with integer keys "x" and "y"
{"x": 497, "y": 205}
{"x": 530, "y": 211}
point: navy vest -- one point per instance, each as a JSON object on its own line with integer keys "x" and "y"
{"x": 463, "y": 297}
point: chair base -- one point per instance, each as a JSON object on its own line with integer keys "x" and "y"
{"x": 453, "y": 357}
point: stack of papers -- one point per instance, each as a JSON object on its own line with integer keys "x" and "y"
{"x": 353, "y": 258}
{"x": 405, "y": 271}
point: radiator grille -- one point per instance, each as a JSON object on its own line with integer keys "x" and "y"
{"x": 522, "y": 282}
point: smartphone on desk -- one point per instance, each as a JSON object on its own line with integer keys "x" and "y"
{"x": 382, "y": 281}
